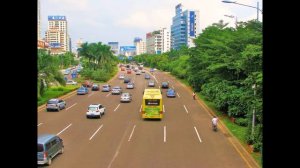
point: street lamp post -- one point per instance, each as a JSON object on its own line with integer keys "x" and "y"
{"x": 257, "y": 7}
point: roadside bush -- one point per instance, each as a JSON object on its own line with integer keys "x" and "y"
{"x": 257, "y": 147}
{"x": 241, "y": 122}
{"x": 100, "y": 75}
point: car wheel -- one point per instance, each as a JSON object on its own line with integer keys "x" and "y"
{"x": 58, "y": 108}
{"x": 49, "y": 161}
{"x": 62, "y": 150}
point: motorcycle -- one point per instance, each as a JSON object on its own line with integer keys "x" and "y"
{"x": 215, "y": 128}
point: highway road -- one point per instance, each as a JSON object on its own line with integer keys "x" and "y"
{"x": 122, "y": 139}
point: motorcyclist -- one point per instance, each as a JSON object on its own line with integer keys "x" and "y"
{"x": 214, "y": 122}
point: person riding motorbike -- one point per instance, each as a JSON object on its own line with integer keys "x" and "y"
{"x": 214, "y": 123}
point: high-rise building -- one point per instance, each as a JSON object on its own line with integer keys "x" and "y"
{"x": 140, "y": 45}
{"x": 166, "y": 41}
{"x": 39, "y": 21}
{"x": 185, "y": 27}
{"x": 57, "y": 34}
{"x": 114, "y": 47}
{"x": 158, "y": 41}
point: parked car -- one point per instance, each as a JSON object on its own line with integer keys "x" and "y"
{"x": 106, "y": 88}
{"x": 82, "y": 90}
{"x": 130, "y": 85}
{"x": 95, "y": 87}
{"x": 55, "y": 104}
{"x": 48, "y": 147}
{"x": 95, "y": 110}
{"x": 165, "y": 85}
{"x": 151, "y": 83}
{"x": 171, "y": 93}
{"x": 116, "y": 90}
{"x": 147, "y": 76}
{"x": 71, "y": 82}
{"x": 127, "y": 80}
{"x": 126, "y": 97}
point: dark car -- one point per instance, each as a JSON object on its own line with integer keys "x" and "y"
{"x": 127, "y": 80}
{"x": 171, "y": 93}
{"x": 95, "y": 87}
{"x": 165, "y": 85}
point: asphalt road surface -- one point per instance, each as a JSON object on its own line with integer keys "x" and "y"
{"x": 122, "y": 139}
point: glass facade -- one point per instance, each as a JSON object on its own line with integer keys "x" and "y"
{"x": 180, "y": 28}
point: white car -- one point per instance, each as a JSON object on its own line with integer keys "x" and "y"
{"x": 71, "y": 82}
{"x": 126, "y": 97}
{"x": 95, "y": 110}
{"x": 116, "y": 90}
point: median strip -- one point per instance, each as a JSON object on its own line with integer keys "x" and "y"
{"x": 178, "y": 95}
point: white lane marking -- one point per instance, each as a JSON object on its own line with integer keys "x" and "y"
{"x": 141, "y": 108}
{"x": 71, "y": 106}
{"x": 185, "y": 109}
{"x": 96, "y": 132}
{"x": 39, "y": 124}
{"x": 91, "y": 94}
{"x": 164, "y": 108}
{"x": 178, "y": 95}
{"x": 198, "y": 134}
{"x": 117, "y": 107}
{"x": 131, "y": 133}
{"x": 173, "y": 87}
{"x": 108, "y": 94}
{"x": 64, "y": 129}
{"x": 165, "y": 134}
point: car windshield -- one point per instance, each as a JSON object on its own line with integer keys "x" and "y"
{"x": 95, "y": 85}
{"x": 52, "y": 101}
{"x": 40, "y": 147}
{"x": 105, "y": 86}
{"x": 92, "y": 108}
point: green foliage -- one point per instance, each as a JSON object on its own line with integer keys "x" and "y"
{"x": 241, "y": 121}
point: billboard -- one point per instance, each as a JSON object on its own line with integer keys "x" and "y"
{"x": 55, "y": 45}
{"x": 127, "y": 48}
{"x": 57, "y": 18}
{"x": 192, "y": 23}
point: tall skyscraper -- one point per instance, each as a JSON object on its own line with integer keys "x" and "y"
{"x": 114, "y": 47}
{"x": 57, "y": 34}
{"x": 140, "y": 45}
{"x": 185, "y": 27}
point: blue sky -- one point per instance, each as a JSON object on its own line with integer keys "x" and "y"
{"x": 123, "y": 20}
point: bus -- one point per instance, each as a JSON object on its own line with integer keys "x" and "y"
{"x": 152, "y": 105}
